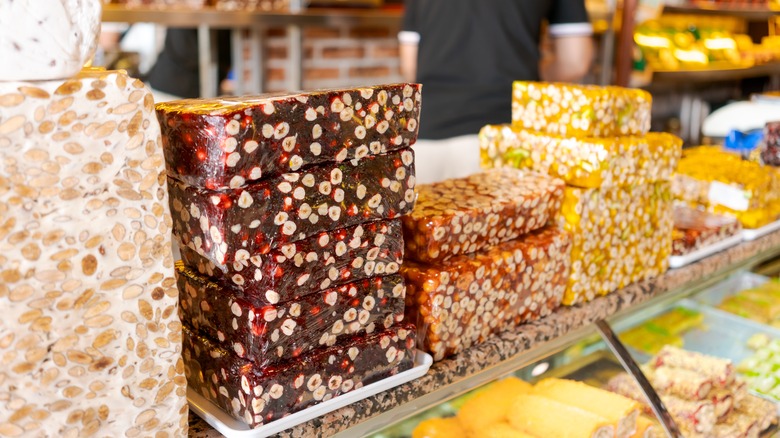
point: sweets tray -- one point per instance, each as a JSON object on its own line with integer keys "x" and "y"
{"x": 232, "y": 428}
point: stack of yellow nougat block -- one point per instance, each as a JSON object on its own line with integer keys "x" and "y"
{"x": 618, "y": 202}
{"x": 722, "y": 182}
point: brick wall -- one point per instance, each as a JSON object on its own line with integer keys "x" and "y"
{"x": 335, "y": 57}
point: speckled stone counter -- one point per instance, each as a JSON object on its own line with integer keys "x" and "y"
{"x": 522, "y": 339}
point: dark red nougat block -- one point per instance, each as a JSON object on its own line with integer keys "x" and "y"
{"x": 230, "y": 142}
{"x": 258, "y": 395}
{"x": 319, "y": 262}
{"x": 273, "y": 333}
{"x": 226, "y": 226}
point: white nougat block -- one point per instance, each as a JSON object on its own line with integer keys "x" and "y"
{"x": 47, "y": 39}
{"x": 90, "y": 337}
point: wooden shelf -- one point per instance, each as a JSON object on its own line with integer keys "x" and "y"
{"x": 748, "y": 13}
{"x": 731, "y": 74}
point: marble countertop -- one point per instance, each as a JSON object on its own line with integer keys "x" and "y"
{"x": 522, "y": 339}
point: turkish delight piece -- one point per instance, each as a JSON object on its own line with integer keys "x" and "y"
{"x": 325, "y": 260}
{"x": 461, "y": 301}
{"x": 258, "y": 395}
{"x": 230, "y": 142}
{"x": 719, "y": 371}
{"x": 695, "y": 229}
{"x": 267, "y": 334}
{"x": 583, "y": 162}
{"x": 90, "y": 338}
{"x": 580, "y": 110}
{"x": 231, "y": 225}
{"x": 465, "y": 215}
{"x": 47, "y": 39}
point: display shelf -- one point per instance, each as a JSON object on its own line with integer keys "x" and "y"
{"x": 183, "y": 17}
{"x": 746, "y": 12}
{"x": 509, "y": 351}
{"x": 714, "y": 75}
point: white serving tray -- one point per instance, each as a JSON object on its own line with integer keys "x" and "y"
{"x": 749, "y": 235}
{"x": 232, "y": 428}
{"x": 695, "y": 256}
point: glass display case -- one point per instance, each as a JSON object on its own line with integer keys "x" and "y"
{"x": 732, "y": 318}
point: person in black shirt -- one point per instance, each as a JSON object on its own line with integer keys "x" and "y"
{"x": 467, "y": 53}
{"x": 176, "y": 72}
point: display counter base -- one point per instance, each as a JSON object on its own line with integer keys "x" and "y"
{"x": 695, "y": 256}
{"x": 232, "y": 428}
{"x": 749, "y": 235}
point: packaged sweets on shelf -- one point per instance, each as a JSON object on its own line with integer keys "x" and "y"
{"x": 724, "y": 183}
{"x": 231, "y": 142}
{"x": 86, "y": 270}
{"x": 695, "y": 229}
{"x": 271, "y": 333}
{"x": 770, "y": 150}
{"x": 257, "y": 395}
{"x": 465, "y": 215}
{"x": 583, "y": 162}
{"x": 580, "y": 110}
{"x": 459, "y": 302}
{"x": 620, "y": 235}
{"x": 319, "y": 262}
{"x": 225, "y": 226}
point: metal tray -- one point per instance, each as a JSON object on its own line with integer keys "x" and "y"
{"x": 233, "y": 428}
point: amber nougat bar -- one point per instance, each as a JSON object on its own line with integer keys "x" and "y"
{"x": 231, "y": 225}
{"x": 620, "y": 235}
{"x": 695, "y": 229}
{"x": 723, "y": 183}
{"x": 459, "y": 302}
{"x": 580, "y": 110}
{"x": 465, "y": 215}
{"x": 230, "y": 142}
{"x": 583, "y": 162}
{"x": 272, "y": 333}
{"x": 86, "y": 270}
{"x": 325, "y": 260}
{"x": 258, "y": 395}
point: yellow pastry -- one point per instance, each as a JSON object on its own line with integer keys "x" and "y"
{"x": 544, "y": 417}
{"x": 645, "y": 428}
{"x": 491, "y": 405}
{"x": 501, "y": 430}
{"x": 439, "y": 428}
{"x": 619, "y": 410}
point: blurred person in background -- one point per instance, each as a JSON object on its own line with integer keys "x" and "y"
{"x": 467, "y": 53}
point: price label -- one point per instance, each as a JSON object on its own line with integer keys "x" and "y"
{"x": 729, "y": 196}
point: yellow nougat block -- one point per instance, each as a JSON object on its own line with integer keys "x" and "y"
{"x": 621, "y": 411}
{"x": 582, "y": 162}
{"x": 724, "y": 183}
{"x": 620, "y": 235}
{"x": 492, "y": 404}
{"x": 580, "y": 110}
{"x": 544, "y": 417}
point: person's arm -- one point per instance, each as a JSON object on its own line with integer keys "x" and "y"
{"x": 409, "y": 40}
{"x": 408, "y": 54}
{"x": 570, "y": 34}
{"x": 570, "y": 60}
